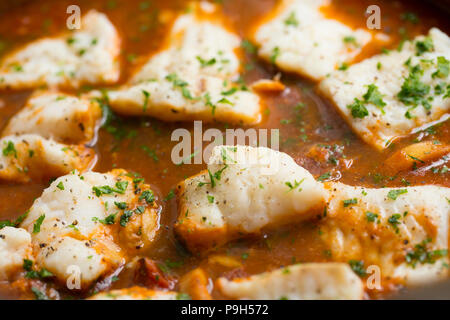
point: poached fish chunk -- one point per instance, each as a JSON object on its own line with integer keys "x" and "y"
{"x": 138, "y": 293}
{"x": 194, "y": 78}
{"x": 85, "y": 56}
{"x": 61, "y": 117}
{"x": 89, "y": 223}
{"x": 309, "y": 281}
{"x": 390, "y": 95}
{"x": 244, "y": 190}
{"x": 403, "y": 231}
{"x": 299, "y": 38}
{"x": 30, "y": 157}
{"x": 15, "y": 246}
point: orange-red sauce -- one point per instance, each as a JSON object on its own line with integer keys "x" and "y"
{"x": 142, "y": 33}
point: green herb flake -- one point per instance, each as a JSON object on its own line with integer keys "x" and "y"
{"x": 374, "y": 96}
{"x": 148, "y": 196}
{"x": 38, "y": 223}
{"x": 358, "y": 110}
{"x": 146, "y": 97}
{"x": 424, "y": 46}
{"x": 294, "y": 185}
{"x": 39, "y": 294}
{"x": 443, "y": 68}
{"x": 125, "y": 217}
{"x": 421, "y": 254}
{"x": 324, "y": 177}
{"x": 358, "y": 267}
{"x": 170, "y": 195}
{"x": 394, "y": 221}
{"x": 121, "y": 205}
{"x": 291, "y": 20}
{"x": 10, "y": 149}
{"x": 371, "y": 217}
{"x": 206, "y": 63}
{"x": 275, "y": 54}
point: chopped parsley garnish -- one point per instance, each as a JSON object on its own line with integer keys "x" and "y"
{"x": 410, "y": 16}
{"x": 108, "y": 220}
{"x": 374, "y": 96}
{"x": 148, "y": 196}
{"x": 27, "y": 264}
{"x": 39, "y": 294}
{"x": 393, "y": 194}
{"x": 295, "y": 185}
{"x": 125, "y": 217}
{"x": 17, "y": 67}
{"x": 102, "y": 190}
{"x": 225, "y": 101}
{"x": 350, "y": 40}
{"x": 343, "y": 66}
{"x": 206, "y": 63}
{"x": 248, "y": 46}
{"x": 151, "y": 153}
{"x": 440, "y": 88}
{"x": 349, "y": 202}
{"x": 139, "y": 209}
{"x": 120, "y": 188}
{"x": 424, "y": 46}
{"x": 168, "y": 265}
{"x": 121, "y": 205}
{"x": 275, "y": 54}
{"x": 394, "y": 221}
{"x": 291, "y": 20}
{"x": 178, "y": 83}
{"x": 422, "y": 255}
{"x": 358, "y": 267}
{"x": 210, "y": 199}
{"x": 60, "y": 185}
{"x": 413, "y": 91}
{"x": 183, "y": 296}
{"x": 209, "y": 103}
{"x": 8, "y": 223}
{"x": 225, "y": 157}
{"x": 213, "y": 177}
{"x": 10, "y": 149}
{"x": 170, "y": 195}
{"x": 358, "y": 110}
{"x": 324, "y": 177}
{"x": 229, "y": 92}
{"x": 188, "y": 158}
{"x": 371, "y": 217}
{"x": 41, "y": 274}
{"x": 146, "y": 96}
{"x": 38, "y": 223}
{"x": 443, "y": 68}
{"x": 415, "y": 158}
